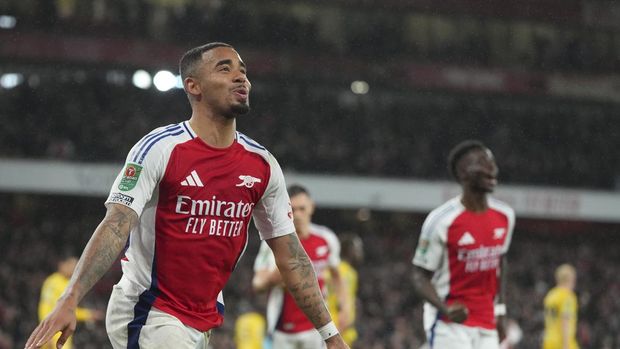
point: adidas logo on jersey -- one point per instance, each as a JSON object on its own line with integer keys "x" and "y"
{"x": 466, "y": 239}
{"x": 192, "y": 180}
{"x": 248, "y": 181}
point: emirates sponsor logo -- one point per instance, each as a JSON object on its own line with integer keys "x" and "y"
{"x": 214, "y": 217}
{"x": 213, "y": 207}
{"x": 480, "y": 259}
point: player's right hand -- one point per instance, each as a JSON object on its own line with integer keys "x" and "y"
{"x": 457, "y": 312}
{"x": 62, "y": 319}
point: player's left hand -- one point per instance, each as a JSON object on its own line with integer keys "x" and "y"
{"x": 501, "y": 327}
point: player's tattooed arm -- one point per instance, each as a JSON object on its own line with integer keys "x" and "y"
{"x": 299, "y": 276}
{"x": 103, "y": 249}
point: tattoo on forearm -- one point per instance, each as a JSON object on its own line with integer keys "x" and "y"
{"x": 306, "y": 291}
{"x": 300, "y": 261}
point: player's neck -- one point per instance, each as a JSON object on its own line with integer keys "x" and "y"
{"x": 303, "y": 232}
{"x": 216, "y": 131}
{"x": 474, "y": 201}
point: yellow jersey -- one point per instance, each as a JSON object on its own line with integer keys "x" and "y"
{"x": 52, "y": 289}
{"x": 349, "y": 277}
{"x": 560, "y": 303}
{"x": 250, "y": 331}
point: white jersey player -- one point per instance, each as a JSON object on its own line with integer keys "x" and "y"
{"x": 186, "y": 194}
{"x": 288, "y": 325}
{"x": 462, "y": 245}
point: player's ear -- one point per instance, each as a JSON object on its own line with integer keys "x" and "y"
{"x": 192, "y": 87}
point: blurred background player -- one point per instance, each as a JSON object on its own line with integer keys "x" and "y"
{"x": 286, "y": 322}
{"x": 462, "y": 244}
{"x": 561, "y": 311}
{"x": 250, "y": 329}
{"x": 351, "y": 256}
{"x": 51, "y": 291}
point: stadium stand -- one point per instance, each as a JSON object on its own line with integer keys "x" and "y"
{"x": 540, "y": 90}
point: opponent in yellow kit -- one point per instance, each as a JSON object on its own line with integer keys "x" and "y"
{"x": 351, "y": 254}
{"x": 561, "y": 311}
{"x": 52, "y": 289}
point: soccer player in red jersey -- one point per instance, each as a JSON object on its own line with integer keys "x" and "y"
{"x": 459, "y": 263}
{"x": 181, "y": 206}
{"x": 289, "y": 326}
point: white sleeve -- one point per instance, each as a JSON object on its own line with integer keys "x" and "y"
{"x": 273, "y": 215}
{"x": 511, "y": 224}
{"x": 265, "y": 258}
{"x": 136, "y": 182}
{"x": 431, "y": 247}
{"x": 334, "y": 248}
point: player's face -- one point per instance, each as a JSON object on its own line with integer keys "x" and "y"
{"x": 223, "y": 82}
{"x": 479, "y": 171}
{"x": 303, "y": 208}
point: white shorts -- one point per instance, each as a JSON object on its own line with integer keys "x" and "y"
{"x": 456, "y": 336}
{"x": 310, "y": 339}
{"x": 127, "y": 329}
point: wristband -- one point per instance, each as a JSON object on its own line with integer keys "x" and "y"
{"x": 328, "y": 330}
{"x": 500, "y": 309}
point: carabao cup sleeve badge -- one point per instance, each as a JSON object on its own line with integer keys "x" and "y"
{"x": 130, "y": 177}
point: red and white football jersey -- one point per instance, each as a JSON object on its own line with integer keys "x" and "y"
{"x": 323, "y": 249}
{"x": 194, "y": 203}
{"x": 464, "y": 249}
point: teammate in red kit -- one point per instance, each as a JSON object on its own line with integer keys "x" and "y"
{"x": 286, "y": 322}
{"x": 184, "y": 200}
{"x": 459, "y": 263}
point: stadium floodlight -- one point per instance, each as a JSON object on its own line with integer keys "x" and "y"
{"x": 164, "y": 80}
{"x": 141, "y": 79}
{"x": 360, "y": 87}
{"x": 7, "y": 22}
{"x": 11, "y": 80}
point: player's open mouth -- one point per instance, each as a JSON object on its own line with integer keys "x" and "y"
{"x": 241, "y": 93}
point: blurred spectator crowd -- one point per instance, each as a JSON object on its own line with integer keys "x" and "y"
{"x": 345, "y": 28}
{"x": 33, "y": 233}
{"x": 322, "y": 128}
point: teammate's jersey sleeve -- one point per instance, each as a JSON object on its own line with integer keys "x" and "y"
{"x": 272, "y": 214}
{"x": 511, "y": 224}
{"x": 136, "y": 182}
{"x": 265, "y": 258}
{"x": 334, "y": 246}
{"x": 431, "y": 246}
{"x": 510, "y": 216}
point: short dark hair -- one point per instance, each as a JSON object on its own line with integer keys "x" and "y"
{"x": 461, "y": 150}
{"x": 347, "y": 242}
{"x": 191, "y": 57}
{"x": 297, "y": 189}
